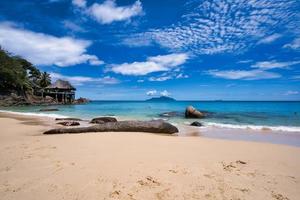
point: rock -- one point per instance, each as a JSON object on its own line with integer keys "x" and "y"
{"x": 155, "y": 126}
{"x": 191, "y": 112}
{"x": 49, "y": 109}
{"x": 196, "y": 124}
{"x": 102, "y": 120}
{"x": 81, "y": 100}
{"x": 69, "y": 123}
{"x": 68, "y": 118}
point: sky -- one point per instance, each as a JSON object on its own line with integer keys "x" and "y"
{"x": 137, "y": 49}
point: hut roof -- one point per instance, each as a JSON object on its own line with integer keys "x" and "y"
{"x": 61, "y": 84}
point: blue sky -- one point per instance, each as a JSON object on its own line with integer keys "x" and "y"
{"x": 134, "y": 49}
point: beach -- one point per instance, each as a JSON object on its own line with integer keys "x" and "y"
{"x": 139, "y": 165}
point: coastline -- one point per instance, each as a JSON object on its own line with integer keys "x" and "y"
{"x": 276, "y": 135}
{"x": 139, "y": 166}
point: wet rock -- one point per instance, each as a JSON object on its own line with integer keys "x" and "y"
{"x": 102, "y": 120}
{"x": 156, "y": 126}
{"x": 49, "y": 109}
{"x": 196, "y": 124}
{"x": 81, "y": 100}
{"x": 191, "y": 112}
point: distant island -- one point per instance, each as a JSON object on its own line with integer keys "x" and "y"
{"x": 161, "y": 99}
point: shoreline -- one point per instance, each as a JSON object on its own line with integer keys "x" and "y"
{"x": 264, "y": 135}
{"x": 130, "y": 166}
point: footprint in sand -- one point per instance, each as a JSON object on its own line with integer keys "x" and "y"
{"x": 148, "y": 181}
{"x": 233, "y": 165}
{"x": 115, "y": 194}
{"x": 278, "y": 196}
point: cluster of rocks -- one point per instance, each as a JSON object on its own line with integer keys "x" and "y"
{"x": 191, "y": 112}
{"x": 111, "y": 124}
{"x": 13, "y": 99}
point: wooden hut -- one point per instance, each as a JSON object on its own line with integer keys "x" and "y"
{"x": 62, "y": 91}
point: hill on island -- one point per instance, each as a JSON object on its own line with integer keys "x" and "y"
{"x": 161, "y": 99}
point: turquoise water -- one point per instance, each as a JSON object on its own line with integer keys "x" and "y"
{"x": 282, "y": 116}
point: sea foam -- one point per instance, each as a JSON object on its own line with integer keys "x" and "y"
{"x": 254, "y": 127}
{"x": 51, "y": 115}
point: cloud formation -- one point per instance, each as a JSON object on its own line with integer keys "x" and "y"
{"x": 152, "y": 64}
{"x": 165, "y": 93}
{"x": 243, "y": 74}
{"x": 269, "y": 39}
{"x": 295, "y": 44}
{"x": 108, "y": 11}
{"x": 43, "y": 49}
{"x": 265, "y": 65}
{"x": 210, "y": 27}
{"x": 151, "y": 92}
{"x": 79, "y": 80}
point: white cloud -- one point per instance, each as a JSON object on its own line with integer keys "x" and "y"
{"x": 295, "y": 44}
{"x": 151, "y": 93}
{"x": 79, "y": 3}
{"x": 72, "y": 26}
{"x": 269, "y": 39}
{"x": 171, "y": 60}
{"x": 210, "y": 27}
{"x": 79, "y": 80}
{"x": 168, "y": 76}
{"x": 140, "y": 81}
{"x": 245, "y": 61}
{"x": 109, "y": 12}
{"x": 243, "y": 74}
{"x": 152, "y": 64}
{"x": 181, "y": 75}
{"x": 43, "y": 49}
{"x": 291, "y": 92}
{"x": 265, "y": 65}
{"x": 165, "y": 93}
{"x": 161, "y": 78}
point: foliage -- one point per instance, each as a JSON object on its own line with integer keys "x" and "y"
{"x": 19, "y": 75}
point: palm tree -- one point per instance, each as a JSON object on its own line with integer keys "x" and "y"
{"x": 45, "y": 80}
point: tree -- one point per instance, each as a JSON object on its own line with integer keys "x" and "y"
{"x": 45, "y": 80}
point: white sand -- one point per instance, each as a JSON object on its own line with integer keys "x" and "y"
{"x": 140, "y": 166}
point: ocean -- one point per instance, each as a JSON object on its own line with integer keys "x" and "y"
{"x": 274, "y": 115}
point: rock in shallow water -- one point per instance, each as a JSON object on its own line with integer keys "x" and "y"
{"x": 196, "y": 124}
{"x": 191, "y": 112}
{"x": 156, "y": 126}
{"x": 48, "y": 109}
{"x": 102, "y": 120}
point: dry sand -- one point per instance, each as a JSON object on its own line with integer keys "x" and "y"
{"x": 140, "y": 166}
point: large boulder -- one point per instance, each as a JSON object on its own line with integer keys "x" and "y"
{"x": 191, "y": 112}
{"x": 155, "y": 126}
{"x": 102, "y": 120}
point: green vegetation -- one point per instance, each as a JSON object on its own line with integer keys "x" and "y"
{"x": 20, "y": 76}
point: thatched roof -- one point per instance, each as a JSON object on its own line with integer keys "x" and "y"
{"x": 61, "y": 84}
